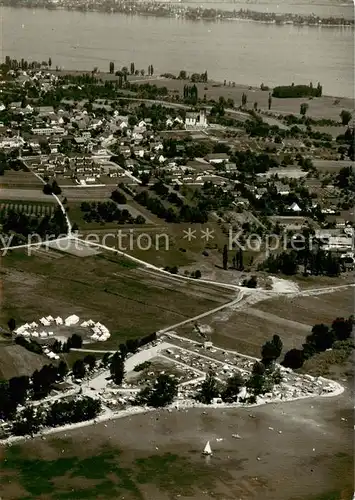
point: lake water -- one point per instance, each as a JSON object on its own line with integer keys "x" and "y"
{"x": 244, "y": 52}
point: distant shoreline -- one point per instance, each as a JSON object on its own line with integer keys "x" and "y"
{"x": 191, "y": 13}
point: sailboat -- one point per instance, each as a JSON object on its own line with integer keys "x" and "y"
{"x": 207, "y": 450}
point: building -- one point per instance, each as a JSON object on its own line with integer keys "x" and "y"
{"x": 196, "y": 119}
{"x": 217, "y": 158}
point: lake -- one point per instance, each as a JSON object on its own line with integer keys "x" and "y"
{"x": 241, "y": 51}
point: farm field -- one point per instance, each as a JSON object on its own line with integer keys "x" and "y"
{"x": 27, "y": 207}
{"x": 158, "y": 456}
{"x": 29, "y": 194}
{"x": 19, "y": 179}
{"x": 105, "y": 288}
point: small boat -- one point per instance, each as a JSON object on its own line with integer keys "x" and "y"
{"x": 207, "y": 450}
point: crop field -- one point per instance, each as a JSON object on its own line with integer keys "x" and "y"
{"x": 19, "y": 179}
{"x": 29, "y": 208}
{"x": 105, "y": 288}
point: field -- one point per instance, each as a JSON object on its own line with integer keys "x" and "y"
{"x": 19, "y": 179}
{"x": 246, "y": 329}
{"x": 129, "y": 301}
{"x": 311, "y": 310}
{"x": 16, "y": 361}
{"x": 26, "y": 195}
{"x": 28, "y": 208}
{"x": 76, "y": 215}
{"x": 323, "y": 107}
{"x": 158, "y": 456}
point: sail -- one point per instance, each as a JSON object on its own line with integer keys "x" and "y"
{"x": 207, "y": 450}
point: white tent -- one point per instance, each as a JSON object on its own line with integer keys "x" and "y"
{"x": 71, "y": 320}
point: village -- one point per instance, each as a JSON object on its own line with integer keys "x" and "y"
{"x": 172, "y": 245}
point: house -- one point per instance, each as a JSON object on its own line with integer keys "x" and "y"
{"x": 45, "y": 110}
{"x": 196, "y": 119}
{"x": 217, "y": 158}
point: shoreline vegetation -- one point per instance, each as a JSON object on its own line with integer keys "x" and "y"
{"x": 179, "y": 11}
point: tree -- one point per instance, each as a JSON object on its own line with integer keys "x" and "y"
{"x": 28, "y": 422}
{"x": 244, "y": 99}
{"x": 322, "y": 337}
{"x": 182, "y": 75}
{"x": 256, "y": 382}
{"x": 232, "y": 388}
{"x": 112, "y": 68}
{"x": 11, "y": 324}
{"x": 303, "y": 108}
{"x": 345, "y": 116}
{"x": 55, "y": 188}
{"x": 225, "y": 257}
{"x": 47, "y": 189}
{"x": 90, "y": 361}
{"x": 132, "y": 68}
{"x": 62, "y": 370}
{"x": 269, "y": 101}
{"x": 142, "y": 72}
{"x": 117, "y": 368}
{"x": 209, "y": 389}
{"x": 271, "y": 350}
{"x": 293, "y": 359}
{"x": 162, "y": 393}
{"x": 342, "y": 328}
{"x": 50, "y": 62}
{"x": 79, "y": 370}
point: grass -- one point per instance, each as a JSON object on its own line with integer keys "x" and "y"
{"x": 104, "y": 475}
{"x": 321, "y": 364}
{"x": 130, "y": 301}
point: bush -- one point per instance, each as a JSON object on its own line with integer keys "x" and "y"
{"x": 142, "y": 366}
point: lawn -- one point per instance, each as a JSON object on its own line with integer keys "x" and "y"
{"x": 130, "y": 301}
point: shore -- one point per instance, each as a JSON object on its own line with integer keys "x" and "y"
{"x": 181, "y": 11}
